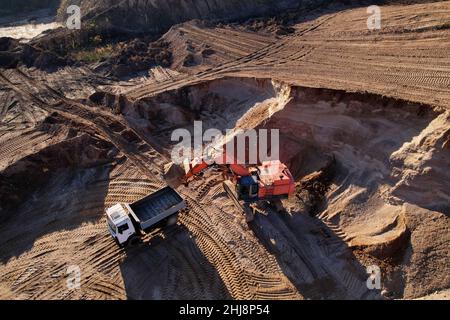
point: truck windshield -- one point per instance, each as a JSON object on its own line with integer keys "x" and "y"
{"x": 112, "y": 226}
{"x": 123, "y": 228}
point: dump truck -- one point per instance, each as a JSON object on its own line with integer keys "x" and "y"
{"x": 128, "y": 222}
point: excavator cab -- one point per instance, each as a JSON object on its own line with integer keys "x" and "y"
{"x": 247, "y": 188}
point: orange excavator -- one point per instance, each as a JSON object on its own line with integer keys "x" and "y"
{"x": 270, "y": 181}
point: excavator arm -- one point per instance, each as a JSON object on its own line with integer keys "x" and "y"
{"x": 194, "y": 168}
{"x": 197, "y": 166}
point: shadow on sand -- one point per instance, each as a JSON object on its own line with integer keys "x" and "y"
{"x": 315, "y": 259}
{"x": 170, "y": 267}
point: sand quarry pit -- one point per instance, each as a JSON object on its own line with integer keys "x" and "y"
{"x": 367, "y": 209}
{"x": 73, "y": 143}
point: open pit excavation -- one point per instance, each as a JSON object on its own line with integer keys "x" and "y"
{"x": 88, "y": 181}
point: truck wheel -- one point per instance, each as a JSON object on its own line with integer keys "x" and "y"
{"x": 172, "y": 221}
{"x": 134, "y": 240}
{"x": 117, "y": 242}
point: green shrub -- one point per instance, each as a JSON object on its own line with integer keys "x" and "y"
{"x": 94, "y": 54}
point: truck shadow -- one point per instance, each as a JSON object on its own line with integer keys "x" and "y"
{"x": 170, "y": 267}
{"x": 67, "y": 200}
{"x": 315, "y": 259}
{"x": 58, "y": 188}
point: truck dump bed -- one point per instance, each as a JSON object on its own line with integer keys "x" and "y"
{"x": 156, "y": 207}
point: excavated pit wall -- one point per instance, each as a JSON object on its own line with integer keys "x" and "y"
{"x": 227, "y": 103}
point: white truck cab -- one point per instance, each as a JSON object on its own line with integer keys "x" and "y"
{"x": 129, "y": 222}
{"x": 119, "y": 223}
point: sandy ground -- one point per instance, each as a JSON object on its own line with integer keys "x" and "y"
{"x": 442, "y": 295}
{"x": 378, "y": 102}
